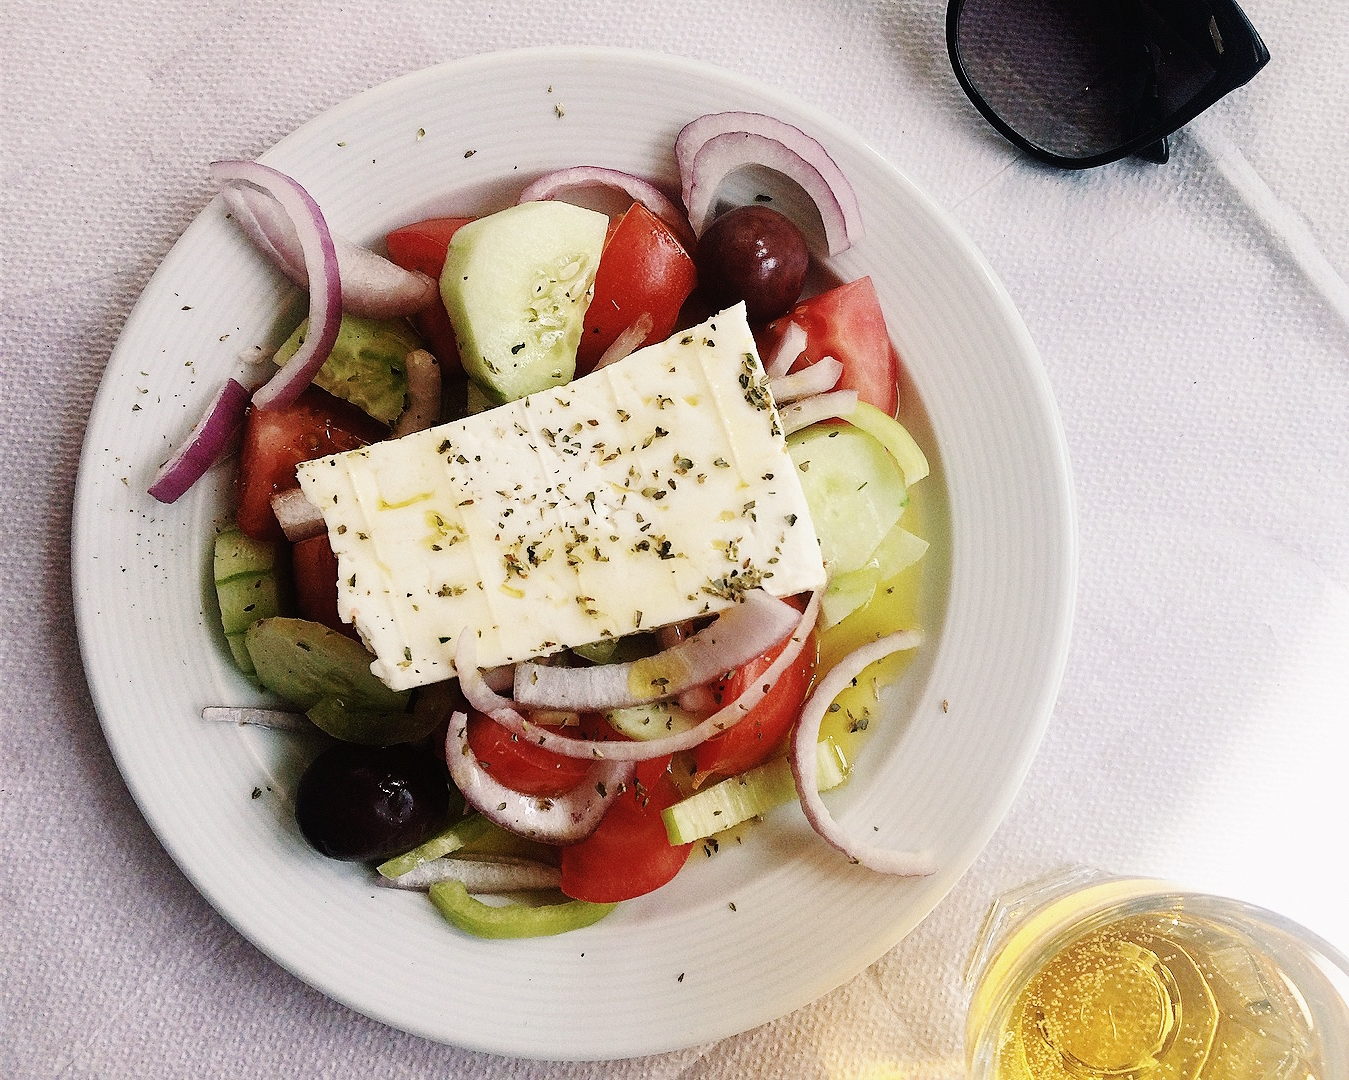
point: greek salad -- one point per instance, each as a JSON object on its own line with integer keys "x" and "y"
{"x": 582, "y": 537}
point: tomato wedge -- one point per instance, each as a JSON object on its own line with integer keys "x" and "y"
{"x": 421, "y": 246}
{"x": 759, "y": 735}
{"x": 644, "y": 269}
{"x": 847, "y": 323}
{"x": 518, "y": 763}
{"x": 314, "y": 571}
{"x": 629, "y": 854}
{"x": 275, "y": 441}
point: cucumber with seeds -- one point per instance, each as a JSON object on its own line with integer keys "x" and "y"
{"x": 516, "y": 285}
{"x": 246, "y": 585}
{"x": 367, "y": 365}
{"x": 749, "y": 795}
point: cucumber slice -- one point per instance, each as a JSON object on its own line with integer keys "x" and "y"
{"x": 246, "y": 598}
{"x": 847, "y": 592}
{"x": 516, "y": 285}
{"x": 749, "y": 795}
{"x": 651, "y": 721}
{"x": 246, "y": 587}
{"x": 305, "y": 662}
{"x": 370, "y": 727}
{"x": 367, "y": 365}
{"x": 855, "y": 490}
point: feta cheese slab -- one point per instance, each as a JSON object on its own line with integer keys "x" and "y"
{"x": 653, "y": 490}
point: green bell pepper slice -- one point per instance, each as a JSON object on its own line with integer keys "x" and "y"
{"x": 512, "y": 920}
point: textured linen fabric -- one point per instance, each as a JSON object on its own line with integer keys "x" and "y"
{"x": 1194, "y": 322}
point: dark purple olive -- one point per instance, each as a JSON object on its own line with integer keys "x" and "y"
{"x": 756, "y": 255}
{"x": 364, "y": 803}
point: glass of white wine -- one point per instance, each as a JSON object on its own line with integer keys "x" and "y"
{"x": 1087, "y": 976}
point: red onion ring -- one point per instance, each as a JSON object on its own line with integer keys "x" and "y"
{"x": 205, "y": 443}
{"x": 423, "y": 408}
{"x": 737, "y": 636}
{"x": 298, "y": 517}
{"x": 818, "y": 378}
{"x": 804, "y": 761}
{"x": 811, "y": 410}
{"x": 320, "y": 262}
{"x": 626, "y": 342}
{"x": 551, "y": 185}
{"x": 372, "y": 285}
{"x": 559, "y": 819}
{"x": 713, "y": 146}
{"x": 500, "y": 709}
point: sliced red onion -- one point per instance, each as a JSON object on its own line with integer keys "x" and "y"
{"x": 204, "y": 445}
{"x": 735, "y": 637}
{"x": 320, "y": 261}
{"x": 372, "y": 286}
{"x": 551, "y": 185}
{"x": 626, "y": 342}
{"x": 423, "y": 408}
{"x": 712, "y": 147}
{"x": 261, "y": 224}
{"x": 818, "y": 378}
{"x": 792, "y": 345}
{"x": 276, "y": 719}
{"x": 480, "y": 874}
{"x": 559, "y": 819}
{"x": 804, "y": 759}
{"x": 500, "y": 709}
{"x": 299, "y": 518}
{"x": 811, "y": 410}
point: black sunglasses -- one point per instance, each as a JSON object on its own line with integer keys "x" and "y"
{"x": 1080, "y": 83}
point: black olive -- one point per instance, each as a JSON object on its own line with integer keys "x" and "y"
{"x": 364, "y": 803}
{"x": 754, "y": 254}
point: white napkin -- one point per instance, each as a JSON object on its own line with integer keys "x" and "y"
{"x": 1192, "y": 319}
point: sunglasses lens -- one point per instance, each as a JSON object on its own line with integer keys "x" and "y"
{"x": 1083, "y": 77}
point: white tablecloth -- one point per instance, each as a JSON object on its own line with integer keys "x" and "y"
{"x": 1194, "y": 321}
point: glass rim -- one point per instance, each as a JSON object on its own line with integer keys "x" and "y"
{"x": 1242, "y": 58}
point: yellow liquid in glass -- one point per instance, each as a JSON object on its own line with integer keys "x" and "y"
{"x": 1164, "y": 995}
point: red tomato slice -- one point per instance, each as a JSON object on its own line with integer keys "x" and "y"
{"x": 518, "y": 763}
{"x": 846, "y": 323}
{"x": 314, "y": 572}
{"x": 277, "y": 440}
{"x": 644, "y": 269}
{"x": 757, "y": 737}
{"x": 629, "y": 854}
{"x": 422, "y": 246}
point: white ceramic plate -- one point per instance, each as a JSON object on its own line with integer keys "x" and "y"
{"x": 681, "y": 966}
